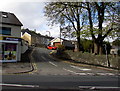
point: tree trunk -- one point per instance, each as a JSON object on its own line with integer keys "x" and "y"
{"x": 98, "y": 47}
{"x": 78, "y": 43}
{"x": 100, "y": 50}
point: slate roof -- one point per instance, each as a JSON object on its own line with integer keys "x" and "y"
{"x": 9, "y": 18}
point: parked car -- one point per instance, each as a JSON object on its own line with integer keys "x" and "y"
{"x": 51, "y": 47}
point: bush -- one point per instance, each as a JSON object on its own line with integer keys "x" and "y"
{"x": 61, "y": 47}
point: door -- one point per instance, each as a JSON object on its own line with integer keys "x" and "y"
{"x": 56, "y": 44}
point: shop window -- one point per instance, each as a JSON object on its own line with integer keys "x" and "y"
{"x": 5, "y": 31}
{"x": 9, "y": 51}
{"x": 1, "y": 51}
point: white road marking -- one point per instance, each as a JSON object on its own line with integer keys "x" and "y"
{"x": 84, "y": 69}
{"x": 87, "y": 73}
{"x": 52, "y": 63}
{"x": 18, "y": 85}
{"x": 90, "y": 73}
{"x": 43, "y": 57}
{"x": 74, "y": 72}
{"x": 106, "y": 74}
{"x": 97, "y": 87}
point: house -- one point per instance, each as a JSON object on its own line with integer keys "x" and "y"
{"x": 10, "y": 37}
{"x": 35, "y": 39}
{"x": 59, "y": 41}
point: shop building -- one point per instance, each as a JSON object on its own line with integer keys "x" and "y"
{"x": 10, "y": 37}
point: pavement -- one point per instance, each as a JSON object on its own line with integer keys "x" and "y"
{"x": 16, "y": 68}
{"x": 24, "y": 66}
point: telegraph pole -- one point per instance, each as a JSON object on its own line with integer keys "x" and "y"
{"x": 49, "y": 33}
{"x": 108, "y": 62}
{"x": 60, "y": 34}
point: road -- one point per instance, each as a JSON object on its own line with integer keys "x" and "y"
{"x": 47, "y": 65}
{"x": 53, "y": 74}
{"x": 65, "y": 82}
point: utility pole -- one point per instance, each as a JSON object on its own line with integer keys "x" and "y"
{"x": 60, "y": 34}
{"x": 108, "y": 62}
{"x": 49, "y": 33}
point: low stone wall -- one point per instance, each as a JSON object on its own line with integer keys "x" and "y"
{"x": 25, "y": 57}
{"x": 94, "y": 59}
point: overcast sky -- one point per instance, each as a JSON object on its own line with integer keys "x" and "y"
{"x": 31, "y": 15}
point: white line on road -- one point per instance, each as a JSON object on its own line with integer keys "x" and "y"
{"x": 97, "y": 87}
{"x": 43, "y": 57}
{"x": 18, "y": 85}
{"x": 84, "y": 69}
{"x": 74, "y": 72}
{"x": 88, "y": 73}
{"x": 52, "y": 63}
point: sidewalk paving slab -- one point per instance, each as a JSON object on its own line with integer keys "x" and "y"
{"x": 14, "y": 68}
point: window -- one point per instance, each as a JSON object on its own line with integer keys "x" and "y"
{"x": 4, "y": 15}
{"x": 5, "y": 31}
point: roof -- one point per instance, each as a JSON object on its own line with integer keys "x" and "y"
{"x": 62, "y": 39}
{"x": 34, "y": 33}
{"x": 9, "y": 18}
{"x": 56, "y": 40}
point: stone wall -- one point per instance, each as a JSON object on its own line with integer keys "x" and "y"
{"x": 94, "y": 59}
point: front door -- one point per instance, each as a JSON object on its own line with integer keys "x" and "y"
{"x": 56, "y": 44}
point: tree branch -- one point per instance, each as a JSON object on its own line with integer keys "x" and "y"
{"x": 70, "y": 21}
{"x": 107, "y": 33}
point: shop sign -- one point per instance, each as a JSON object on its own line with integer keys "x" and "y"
{"x": 12, "y": 39}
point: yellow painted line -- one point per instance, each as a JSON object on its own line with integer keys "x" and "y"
{"x": 1, "y": 38}
{"x": 34, "y": 65}
{"x": 35, "y": 68}
{"x": 52, "y": 51}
